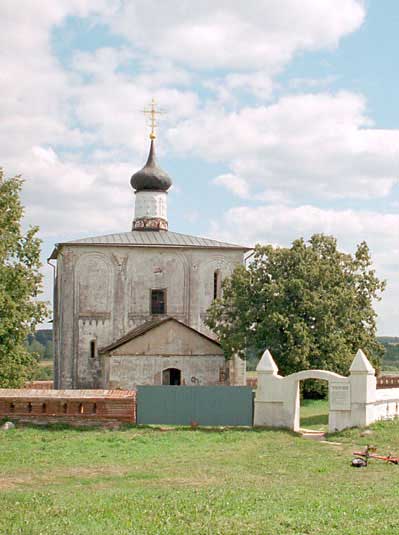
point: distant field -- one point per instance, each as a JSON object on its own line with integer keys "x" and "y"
{"x": 46, "y": 364}
{"x": 45, "y": 372}
{"x": 182, "y": 481}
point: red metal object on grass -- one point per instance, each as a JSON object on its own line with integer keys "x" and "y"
{"x": 369, "y": 453}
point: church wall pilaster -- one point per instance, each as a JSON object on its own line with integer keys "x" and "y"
{"x": 120, "y": 319}
{"x": 56, "y": 323}
{"x": 67, "y": 320}
{"x": 94, "y": 287}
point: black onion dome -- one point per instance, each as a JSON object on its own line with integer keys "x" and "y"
{"x": 151, "y": 177}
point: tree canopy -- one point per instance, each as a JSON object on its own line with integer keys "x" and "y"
{"x": 20, "y": 284}
{"x": 310, "y": 304}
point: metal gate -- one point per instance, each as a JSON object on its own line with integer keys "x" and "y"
{"x": 204, "y": 405}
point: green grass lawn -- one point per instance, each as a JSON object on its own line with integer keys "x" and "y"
{"x": 314, "y": 414}
{"x": 183, "y": 481}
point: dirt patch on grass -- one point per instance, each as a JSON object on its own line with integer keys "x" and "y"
{"x": 8, "y": 483}
{"x": 99, "y": 476}
{"x": 58, "y": 476}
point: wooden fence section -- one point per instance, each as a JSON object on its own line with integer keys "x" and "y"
{"x": 40, "y": 385}
{"x": 68, "y": 405}
{"x": 388, "y": 381}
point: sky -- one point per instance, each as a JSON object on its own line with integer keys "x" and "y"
{"x": 281, "y": 119}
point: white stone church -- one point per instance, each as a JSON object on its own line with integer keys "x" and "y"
{"x": 129, "y": 308}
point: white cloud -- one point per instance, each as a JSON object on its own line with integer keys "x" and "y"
{"x": 315, "y": 145}
{"x": 311, "y": 83}
{"x": 111, "y": 105}
{"x": 279, "y": 223}
{"x": 76, "y": 135}
{"x": 70, "y": 198}
{"x": 231, "y": 34}
{"x": 35, "y": 91}
{"x": 97, "y": 103}
{"x": 229, "y": 88}
{"x": 233, "y": 183}
{"x": 256, "y": 83}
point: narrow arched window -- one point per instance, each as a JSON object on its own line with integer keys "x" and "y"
{"x": 216, "y": 284}
{"x": 81, "y": 408}
{"x": 92, "y": 349}
{"x": 29, "y": 407}
{"x": 44, "y": 407}
{"x": 65, "y": 408}
{"x": 94, "y": 408}
{"x": 158, "y": 302}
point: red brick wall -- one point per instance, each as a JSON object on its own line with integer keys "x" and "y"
{"x": 122, "y": 409}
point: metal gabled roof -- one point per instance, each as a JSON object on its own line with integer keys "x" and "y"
{"x": 140, "y": 238}
{"x": 148, "y": 326}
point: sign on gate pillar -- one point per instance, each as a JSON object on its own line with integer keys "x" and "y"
{"x": 339, "y": 396}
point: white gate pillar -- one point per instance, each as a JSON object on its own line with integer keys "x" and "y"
{"x": 269, "y": 400}
{"x": 363, "y": 390}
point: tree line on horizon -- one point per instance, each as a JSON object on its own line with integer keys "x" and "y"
{"x": 41, "y": 344}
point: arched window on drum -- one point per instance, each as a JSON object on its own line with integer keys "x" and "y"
{"x": 217, "y": 284}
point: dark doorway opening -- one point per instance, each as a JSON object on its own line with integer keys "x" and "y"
{"x": 171, "y": 376}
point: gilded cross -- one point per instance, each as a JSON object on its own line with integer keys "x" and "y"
{"x": 152, "y": 113}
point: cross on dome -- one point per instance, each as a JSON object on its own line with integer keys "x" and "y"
{"x": 152, "y": 112}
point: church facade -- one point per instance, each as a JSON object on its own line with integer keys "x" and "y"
{"x": 129, "y": 308}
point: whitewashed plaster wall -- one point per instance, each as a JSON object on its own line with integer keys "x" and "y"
{"x": 386, "y": 406}
{"x": 128, "y": 372}
{"x": 142, "y": 360}
{"x": 203, "y": 276}
{"x": 151, "y": 204}
{"x": 156, "y": 269}
{"x": 101, "y": 292}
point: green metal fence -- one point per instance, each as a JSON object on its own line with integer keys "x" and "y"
{"x": 204, "y": 405}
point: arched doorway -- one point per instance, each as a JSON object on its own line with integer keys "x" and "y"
{"x": 333, "y": 379}
{"x": 314, "y": 409}
{"x": 171, "y": 376}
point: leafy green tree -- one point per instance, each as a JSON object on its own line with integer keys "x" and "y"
{"x": 310, "y": 304}
{"x": 20, "y": 284}
{"x": 49, "y": 351}
{"x": 37, "y": 349}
